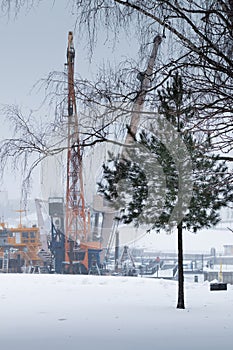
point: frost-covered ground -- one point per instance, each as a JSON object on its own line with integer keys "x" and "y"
{"x": 96, "y": 312}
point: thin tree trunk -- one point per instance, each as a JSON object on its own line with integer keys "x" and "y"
{"x": 180, "y": 303}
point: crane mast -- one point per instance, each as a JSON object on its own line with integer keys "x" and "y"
{"x": 76, "y": 221}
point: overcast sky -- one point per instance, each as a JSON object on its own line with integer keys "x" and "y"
{"x": 34, "y": 44}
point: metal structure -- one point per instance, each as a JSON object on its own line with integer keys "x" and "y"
{"x": 145, "y": 79}
{"x": 145, "y": 85}
{"x": 76, "y": 218}
{"x": 126, "y": 255}
{"x": 19, "y": 248}
{"x": 78, "y": 245}
{"x": 57, "y": 240}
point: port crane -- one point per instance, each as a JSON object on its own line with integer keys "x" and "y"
{"x": 145, "y": 79}
{"x": 76, "y": 222}
{"x": 80, "y": 251}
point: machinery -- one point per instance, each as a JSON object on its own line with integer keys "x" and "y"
{"x": 71, "y": 243}
{"x": 127, "y": 263}
{"x": 19, "y": 248}
{"x": 57, "y": 240}
{"x": 110, "y": 226}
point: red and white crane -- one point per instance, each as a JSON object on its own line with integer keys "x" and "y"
{"x": 78, "y": 245}
{"x": 76, "y": 220}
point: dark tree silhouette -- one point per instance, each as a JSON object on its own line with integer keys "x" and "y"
{"x": 146, "y": 196}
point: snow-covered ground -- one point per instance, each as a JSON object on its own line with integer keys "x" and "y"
{"x": 100, "y": 312}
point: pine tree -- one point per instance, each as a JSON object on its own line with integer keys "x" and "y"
{"x": 146, "y": 185}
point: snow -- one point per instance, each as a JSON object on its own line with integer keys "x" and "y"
{"x": 218, "y": 268}
{"x": 105, "y": 312}
{"x": 164, "y": 273}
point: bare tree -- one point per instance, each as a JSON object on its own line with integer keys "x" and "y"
{"x": 199, "y": 41}
{"x": 31, "y": 139}
{"x": 9, "y": 7}
{"x": 105, "y": 102}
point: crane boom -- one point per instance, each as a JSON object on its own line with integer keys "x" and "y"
{"x": 145, "y": 79}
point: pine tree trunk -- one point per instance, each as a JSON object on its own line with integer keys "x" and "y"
{"x": 180, "y": 303}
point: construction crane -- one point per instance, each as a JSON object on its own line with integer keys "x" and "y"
{"x": 145, "y": 79}
{"x": 78, "y": 245}
{"x": 76, "y": 221}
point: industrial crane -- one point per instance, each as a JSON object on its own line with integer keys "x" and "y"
{"x": 137, "y": 108}
{"x": 80, "y": 251}
{"x": 145, "y": 79}
{"x": 76, "y": 221}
